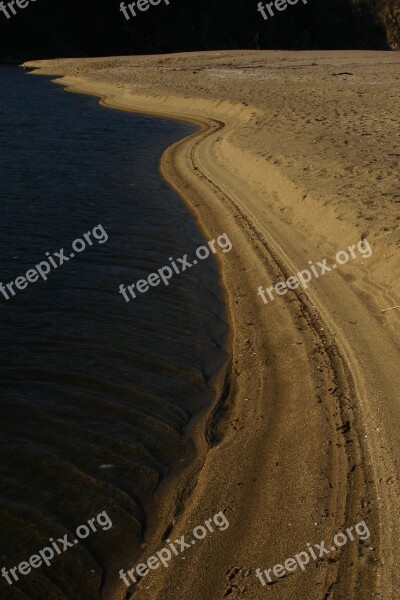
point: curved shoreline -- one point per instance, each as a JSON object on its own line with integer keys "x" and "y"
{"x": 339, "y": 473}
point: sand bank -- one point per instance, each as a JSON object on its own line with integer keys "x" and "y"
{"x": 296, "y": 159}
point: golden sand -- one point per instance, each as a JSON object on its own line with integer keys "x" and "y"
{"x": 297, "y": 158}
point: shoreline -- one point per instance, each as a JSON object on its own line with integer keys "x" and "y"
{"x": 340, "y": 486}
{"x": 176, "y": 485}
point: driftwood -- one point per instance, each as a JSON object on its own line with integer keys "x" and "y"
{"x": 392, "y": 308}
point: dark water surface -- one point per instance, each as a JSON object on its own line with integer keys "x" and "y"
{"x": 96, "y": 392}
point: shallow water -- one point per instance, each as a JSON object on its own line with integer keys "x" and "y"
{"x": 96, "y": 392}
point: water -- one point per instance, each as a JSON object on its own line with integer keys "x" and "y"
{"x": 96, "y": 392}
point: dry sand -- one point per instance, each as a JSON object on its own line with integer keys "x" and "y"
{"x": 297, "y": 158}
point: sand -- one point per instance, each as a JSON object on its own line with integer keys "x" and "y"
{"x": 296, "y": 159}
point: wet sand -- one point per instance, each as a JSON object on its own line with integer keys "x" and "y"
{"x": 297, "y": 159}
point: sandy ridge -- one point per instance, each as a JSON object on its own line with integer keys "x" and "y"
{"x": 341, "y": 482}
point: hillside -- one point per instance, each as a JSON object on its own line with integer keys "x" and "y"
{"x": 97, "y": 27}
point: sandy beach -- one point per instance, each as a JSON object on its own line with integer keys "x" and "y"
{"x": 296, "y": 159}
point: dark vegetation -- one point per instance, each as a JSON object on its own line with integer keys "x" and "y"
{"x": 60, "y": 28}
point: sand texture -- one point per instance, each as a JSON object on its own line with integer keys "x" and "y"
{"x": 297, "y": 157}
